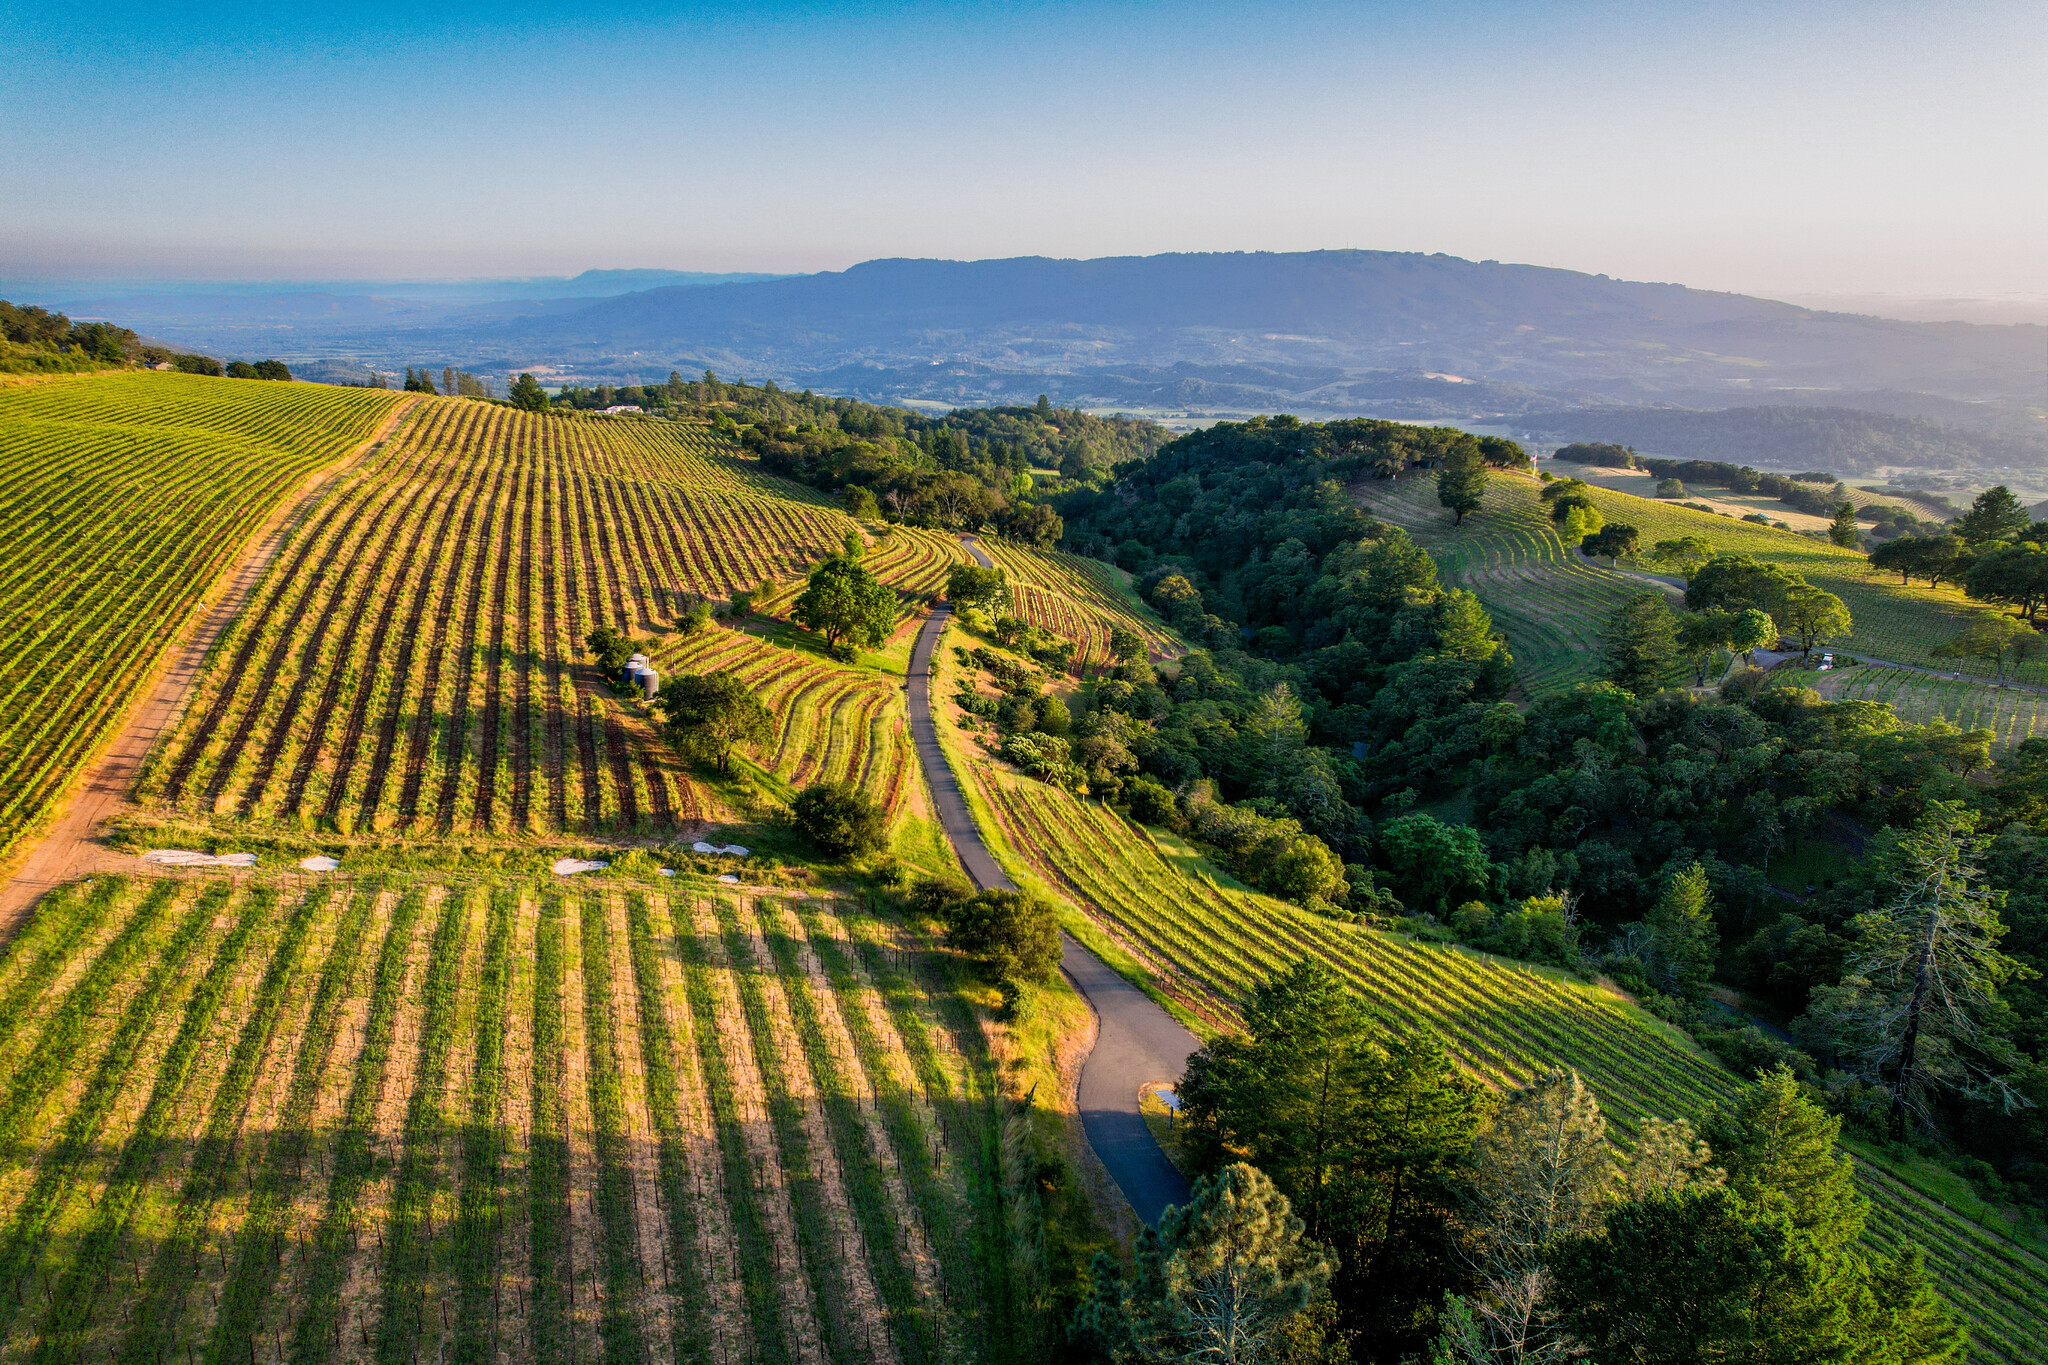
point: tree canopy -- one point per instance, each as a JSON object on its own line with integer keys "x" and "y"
{"x": 708, "y": 717}
{"x": 846, "y": 604}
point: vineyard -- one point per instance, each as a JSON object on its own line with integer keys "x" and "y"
{"x": 474, "y": 1123}
{"x": 1549, "y": 601}
{"x": 1206, "y": 944}
{"x": 1895, "y": 623}
{"x": 411, "y": 662}
{"x": 1076, "y": 599}
{"x": 125, "y": 497}
{"x": 2010, "y": 713}
{"x": 1552, "y": 602}
{"x": 912, "y": 560}
{"x": 834, "y": 723}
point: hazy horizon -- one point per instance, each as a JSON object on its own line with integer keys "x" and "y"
{"x": 1857, "y": 148}
{"x": 1991, "y": 310}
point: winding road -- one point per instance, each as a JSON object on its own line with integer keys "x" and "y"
{"x": 1136, "y": 1044}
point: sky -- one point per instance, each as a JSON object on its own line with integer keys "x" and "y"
{"x": 1784, "y": 147}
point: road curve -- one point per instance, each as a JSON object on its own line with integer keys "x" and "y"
{"x": 1137, "y": 1043}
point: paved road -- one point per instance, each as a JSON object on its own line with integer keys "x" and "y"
{"x": 72, "y": 849}
{"x": 1137, "y": 1042}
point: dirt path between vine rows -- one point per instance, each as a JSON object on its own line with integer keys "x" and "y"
{"x": 71, "y": 848}
{"x": 1137, "y": 1043}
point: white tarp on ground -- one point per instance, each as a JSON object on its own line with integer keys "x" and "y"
{"x": 185, "y": 857}
{"x": 736, "y": 850}
{"x": 569, "y": 867}
{"x": 319, "y": 862}
{"x": 728, "y": 879}
{"x": 668, "y": 871}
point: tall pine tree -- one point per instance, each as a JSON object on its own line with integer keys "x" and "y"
{"x": 1682, "y": 928}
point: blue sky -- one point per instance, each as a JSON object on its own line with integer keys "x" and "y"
{"x": 1766, "y": 147}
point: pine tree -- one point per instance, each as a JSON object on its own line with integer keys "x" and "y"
{"x": 1277, "y": 731}
{"x": 1995, "y": 515}
{"x": 1842, "y": 530}
{"x": 1641, "y": 643}
{"x": 1763, "y": 1266}
{"x": 1542, "y": 1173}
{"x": 448, "y": 381}
{"x": 1232, "y": 1270}
{"x": 1682, "y": 925}
{"x": 1908, "y": 1324}
{"x": 1363, "y": 1131}
{"x": 1461, "y": 483}
{"x": 527, "y": 394}
{"x": 1671, "y": 1279}
{"x": 1779, "y": 1150}
{"x": 1924, "y": 973}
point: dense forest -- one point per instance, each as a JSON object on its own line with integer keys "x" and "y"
{"x": 1347, "y": 733}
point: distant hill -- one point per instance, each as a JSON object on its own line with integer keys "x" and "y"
{"x": 1346, "y": 310}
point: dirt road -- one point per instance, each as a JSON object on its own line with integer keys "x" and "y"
{"x": 72, "y": 848}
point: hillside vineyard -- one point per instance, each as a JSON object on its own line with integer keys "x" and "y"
{"x": 425, "y": 1098}
{"x": 1208, "y": 945}
{"x": 410, "y": 661}
{"x": 123, "y": 497}
{"x": 444, "y": 1122}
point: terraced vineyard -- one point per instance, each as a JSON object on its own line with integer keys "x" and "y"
{"x": 124, "y": 498}
{"x": 410, "y": 662}
{"x": 1076, "y": 599}
{"x": 1551, "y": 602}
{"x": 1205, "y": 945}
{"x": 2010, "y": 713}
{"x": 477, "y": 1123}
{"x": 835, "y": 724}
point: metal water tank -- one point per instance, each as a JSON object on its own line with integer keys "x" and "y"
{"x": 650, "y": 681}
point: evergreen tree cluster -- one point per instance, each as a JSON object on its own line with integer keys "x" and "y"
{"x": 1338, "y": 691}
{"x": 1380, "y": 1206}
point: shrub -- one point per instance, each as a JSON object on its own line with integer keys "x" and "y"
{"x": 1151, "y": 803}
{"x": 840, "y": 819}
{"x": 1274, "y": 855}
{"x": 1045, "y": 757}
{"x": 935, "y": 897}
{"x": 1010, "y": 935}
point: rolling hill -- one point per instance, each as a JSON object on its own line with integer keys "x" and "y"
{"x": 444, "y": 1102}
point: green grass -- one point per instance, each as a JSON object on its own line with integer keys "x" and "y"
{"x": 1552, "y": 602}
